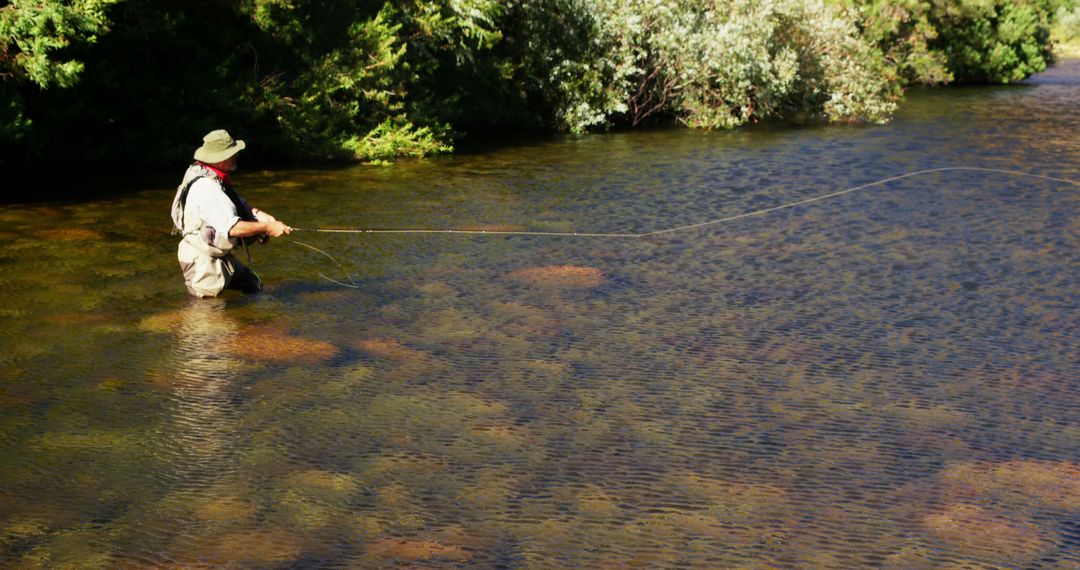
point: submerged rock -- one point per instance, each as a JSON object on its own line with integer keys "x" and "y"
{"x": 560, "y": 276}
{"x": 395, "y": 498}
{"x": 503, "y": 436}
{"x": 452, "y": 326}
{"x": 928, "y": 417}
{"x": 437, "y": 289}
{"x": 117, "y": 441}
{"x": 469, "y": 405}
{"x": 492, "y": 491}
{"x": 205, "y": 327}
{"x": 342, "y": 295}
{"x": 518, "y": 319}
{"x": 281, "y": 348}
{"x": 1052, "y": 484}
{"x": 681, "y": 527}
{"x": 255, "y": 548}
{"x": 77, "y": 319}
{"x": 594, "y": 500}
{"x": 977, "y": 531}
{"x": 10, "y": 401}
{"x": 17, "y": 530}
{"x": 225, "y": 509}
{"x": 165, "y": 322}
{"x": 76, "y": 548}
{"x": 390, "y": 349}
{"x": 910, "y": 557}
{"x": 740, "y": 496}
{"x": 411, "y": 550}
{"x": 548, "y": 368}
{"x": 298, "y": 510}
{"x": 397, "y": 463}
{"x": 70, "y": 234}
{"x": 326, "y": 484}
{"x": 201, "y": 320}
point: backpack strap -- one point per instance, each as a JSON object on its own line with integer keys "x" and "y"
{"x": 183, "y": 196}
{"x": 242, "y": 209}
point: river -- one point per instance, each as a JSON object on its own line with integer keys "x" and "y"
{"x": 887, "y": 378}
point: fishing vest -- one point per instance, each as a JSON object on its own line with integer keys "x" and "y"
{"x": 206, "y": 239}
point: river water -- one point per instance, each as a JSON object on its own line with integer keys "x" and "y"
{"x": 885, "y": 379}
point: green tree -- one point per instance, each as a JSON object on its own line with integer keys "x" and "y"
{"x": 905, "y": 31}
{"x": 34, "y": 33}
{"x": 33, "y": 38}
{"x": 138, "y": 81}
{"x": 995, "y": 42}
{"x": 706, "y": 63}
{"x": 722, "y": 64}
{"x": 302, "y": 79}
{"x": 352, "y": 82}
{"x": 970, "y": 41}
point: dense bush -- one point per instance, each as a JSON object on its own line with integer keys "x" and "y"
{"x": 300, "y": 79}
{"x": 355, "y": 79}
{"x": 995, "y": 42}
{"x": 744, "y": 60}
{"x": 32, "y": 38}
{"x": 970, "y": 41}
{"x": 139, "y": 81}
{"x": 1067, "y": 24}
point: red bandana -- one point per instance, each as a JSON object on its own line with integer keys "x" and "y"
{"x": 224, "y": 176}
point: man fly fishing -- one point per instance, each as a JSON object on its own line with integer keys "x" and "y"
{"x": 213, "y": 220}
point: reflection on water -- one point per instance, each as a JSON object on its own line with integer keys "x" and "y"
{"x": 887, "y": 379}
{"x": 204, "y": 377}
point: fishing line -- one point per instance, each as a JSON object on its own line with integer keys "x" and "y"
{"x": 309, "y": 246}
{"x": 753, "y": 213}
{"x": 686, "y": 227}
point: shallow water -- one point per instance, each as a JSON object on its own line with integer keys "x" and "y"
{"x": 886, "y": 379}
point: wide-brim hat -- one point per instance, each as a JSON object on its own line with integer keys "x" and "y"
{"x": 218, "y": 146}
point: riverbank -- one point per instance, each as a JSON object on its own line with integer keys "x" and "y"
{"x": 1067, "y": 50}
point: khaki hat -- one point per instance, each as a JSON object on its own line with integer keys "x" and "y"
{"x": 218, "y": 146}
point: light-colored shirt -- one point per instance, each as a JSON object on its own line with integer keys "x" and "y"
{"x": 207, "y": 201}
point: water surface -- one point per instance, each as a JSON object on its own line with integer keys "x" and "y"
{"x": 887, "y": 379}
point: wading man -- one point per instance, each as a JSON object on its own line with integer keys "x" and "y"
{"x": 213, "y": 220}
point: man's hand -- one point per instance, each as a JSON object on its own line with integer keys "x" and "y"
{"x": 262, "y": 216}
{"x": 251, "y": 229}
{"x": 277, "y": 229}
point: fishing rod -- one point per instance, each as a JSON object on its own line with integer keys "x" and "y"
{"x": 686, "y": 227}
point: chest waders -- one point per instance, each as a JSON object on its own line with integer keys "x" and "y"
{"x": 205, "y": 255}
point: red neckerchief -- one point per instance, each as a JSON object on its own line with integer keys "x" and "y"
{"x": 224, "y": 176}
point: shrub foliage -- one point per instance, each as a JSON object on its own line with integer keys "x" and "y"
{"x": 140, "y": 80}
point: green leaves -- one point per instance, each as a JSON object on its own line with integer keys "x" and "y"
{"x": 715, "y": 65}
{"x": 995, "y": 41}
{"x": 373, "y": 79}
{"x": 971, "y": 41}
{"x": 394, "y": 139}
{"x": 33, "y": 34}
{"x": 353, "y": 83}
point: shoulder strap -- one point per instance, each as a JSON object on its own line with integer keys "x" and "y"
{"x": 184, "y": 192}
{"x": 195, "y": 172}
{"x": 242, "y": 209}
